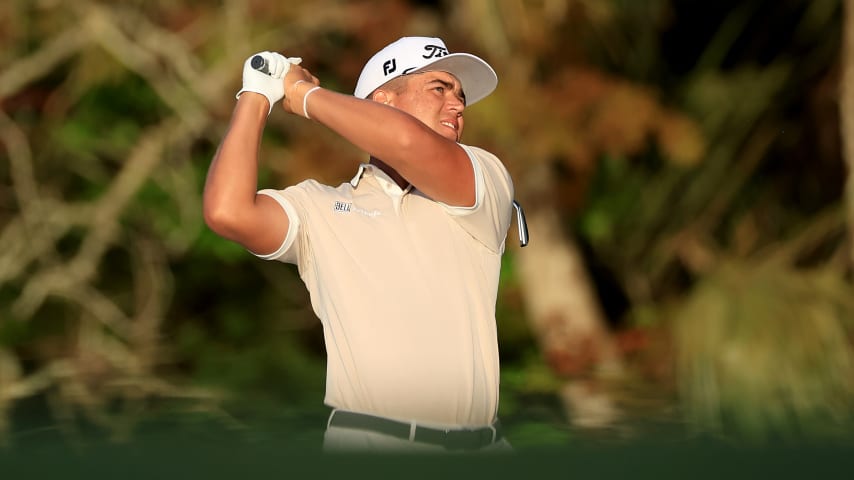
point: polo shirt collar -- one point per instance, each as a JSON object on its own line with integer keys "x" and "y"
{"x": 388, "y": 185}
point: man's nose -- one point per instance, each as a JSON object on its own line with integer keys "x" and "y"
{"x": 457, "y": 104}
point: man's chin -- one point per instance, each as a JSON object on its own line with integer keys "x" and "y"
{"x": 453, "y": 137}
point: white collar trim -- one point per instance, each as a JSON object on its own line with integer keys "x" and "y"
{"x": 389, "y": 185}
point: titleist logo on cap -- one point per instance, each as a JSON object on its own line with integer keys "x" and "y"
{"x": 430, "y": 51}
{"x": 434, "y": 51}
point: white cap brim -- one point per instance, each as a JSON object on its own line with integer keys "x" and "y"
{"x": 477, "y": 78}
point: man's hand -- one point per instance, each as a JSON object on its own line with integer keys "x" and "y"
{"x": 271, "y": 84}
{"x": 298, "y": 81}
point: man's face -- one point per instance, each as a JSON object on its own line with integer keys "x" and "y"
{"x": 435, "y": 98}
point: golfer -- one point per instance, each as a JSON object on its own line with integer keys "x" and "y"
{"x": 401, "y": 262}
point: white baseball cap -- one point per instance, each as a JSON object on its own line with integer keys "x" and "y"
{"x": 421, "y": 54}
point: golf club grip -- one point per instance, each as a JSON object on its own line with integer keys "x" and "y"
{"x": 260, "y": 63}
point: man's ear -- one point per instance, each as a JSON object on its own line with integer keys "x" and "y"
{"x": 382, "y": 96}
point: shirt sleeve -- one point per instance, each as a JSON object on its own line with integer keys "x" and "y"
{"x": 489, "y": 218}
{"x": 289, "y": 251}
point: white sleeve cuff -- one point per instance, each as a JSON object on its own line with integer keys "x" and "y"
{"x": 293, "y": 224}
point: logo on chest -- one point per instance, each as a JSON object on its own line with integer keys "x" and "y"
{"x": 347, "y": 207}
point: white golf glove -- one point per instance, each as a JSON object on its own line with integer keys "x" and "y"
{"x": 269, "y": 84}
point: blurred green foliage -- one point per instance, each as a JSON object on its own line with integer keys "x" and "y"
{"x": 771, "y": 362}
{"x": 679, "y": 142}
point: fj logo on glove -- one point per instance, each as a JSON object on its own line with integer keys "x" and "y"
{"x": 389, "y": 66}
{"x": 434, "y": 51}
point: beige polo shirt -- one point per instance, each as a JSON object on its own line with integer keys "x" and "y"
{"x": 405, "y": 288}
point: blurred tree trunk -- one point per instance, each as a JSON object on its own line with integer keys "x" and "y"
{"x": 846, "y": 116}
{"x": 564, "y": 311}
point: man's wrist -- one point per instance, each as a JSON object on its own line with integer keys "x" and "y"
{"x": 252, "y": 100}
{"x": 297, "y": 96}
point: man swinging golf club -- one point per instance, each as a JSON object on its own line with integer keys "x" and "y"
{"x": 401, "y": 262}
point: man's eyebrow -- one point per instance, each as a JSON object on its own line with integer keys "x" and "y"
{"x": 449, "y": 86}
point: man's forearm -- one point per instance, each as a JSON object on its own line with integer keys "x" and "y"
{"x": 380, "y": 130}
{"x": 435, "y": 165}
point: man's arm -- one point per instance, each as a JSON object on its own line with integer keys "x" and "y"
{"x": 232, "y": 208}
{"x": 437, "y": 166}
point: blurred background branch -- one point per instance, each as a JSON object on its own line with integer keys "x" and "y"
{"x": 684, "y": 168}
